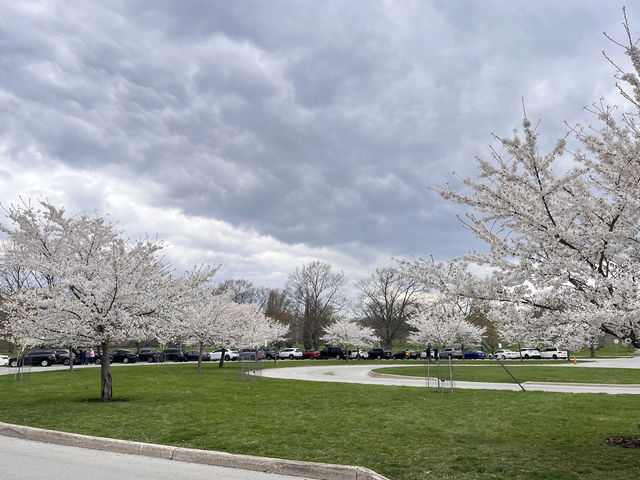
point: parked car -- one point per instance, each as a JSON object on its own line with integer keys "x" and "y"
{"x": 228, "y": 355}
{"x": 447, "y": 353}
{"x": 174, "y": 355}
{"x": 529, "y": 353}
{"x": 62, "y": 356}
{"x": 124, "y": 356}
{"x": 357, "y": 353}
{"x": 149, "y": 355}
{"x": 380, "y": 353}
{"x": 406, "y": 354}
{"x": 332, "y": 352}
{"x": 4, "y": 360}
{"x": 506, "y": 355}
{"x": 475, "y": 354}
{"x": 423, "y": 354}
{"x": 34, "y": 357}
{"x": 310, "y": 354}
{"x": 290, "y": 353}
{"x": 192, "y": 355}
{"x": 554, "y": 352}
{"x": 251, "y": 354}
{"x": 97, "y": 359}
{"x": 270, "y": 353}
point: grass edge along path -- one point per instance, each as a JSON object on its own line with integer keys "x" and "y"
{"x": 401, "y": 432}
{"x": 527, "y": 373}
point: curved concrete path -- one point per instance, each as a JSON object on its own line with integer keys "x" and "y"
{"x": 363, "y": 374}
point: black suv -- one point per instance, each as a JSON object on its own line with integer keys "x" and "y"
{"x": 124, "y": 356}
{"x": 34, "y": 358}
{"x": 192, "y": 355}
{"x": 62, "y": 356}
{"x": 149, "y": 355}
{"x": 380, "y": 354}
{"x": 332, "y": 352}
{"x": 174, "y": 355}
{"x": 270, "y": 353}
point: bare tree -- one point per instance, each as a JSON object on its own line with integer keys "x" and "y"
{"x": 315, "y": 292}
{"x": 244, "y": 291}
{"x": 387, "y": 298}
{"x": 279, "y": 308}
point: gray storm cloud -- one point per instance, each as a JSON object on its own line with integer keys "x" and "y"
{"x": 315, "y": 123}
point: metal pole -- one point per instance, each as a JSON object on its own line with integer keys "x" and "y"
{"x": 514, "y": 378}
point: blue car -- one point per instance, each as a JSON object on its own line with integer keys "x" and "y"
{"x": 474, "y": 354}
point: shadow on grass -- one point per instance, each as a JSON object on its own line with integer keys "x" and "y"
{"x": 98, "y": 400}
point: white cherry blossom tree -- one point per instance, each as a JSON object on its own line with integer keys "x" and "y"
{"x": 207, "y": 319}
{"x": 94, "y": 288}
{"x": 440, "y": 322}
{"x": 566, "y": 239}
{"x": 344, "y": 332}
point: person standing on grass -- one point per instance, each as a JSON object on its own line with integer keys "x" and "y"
{"x": 92, "y": 356}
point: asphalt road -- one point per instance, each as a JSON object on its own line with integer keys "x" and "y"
{"x": 361, "y": 373}
{"x": 28, "y": 460}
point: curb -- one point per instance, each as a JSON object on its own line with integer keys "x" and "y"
{"x": 323, "y": 471}
{"x": 605, "y": 385}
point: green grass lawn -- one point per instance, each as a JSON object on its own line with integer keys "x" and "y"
{"x": 526, "y": 373}
{"x": 400, "y": 432}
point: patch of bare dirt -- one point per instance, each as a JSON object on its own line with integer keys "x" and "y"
{"x": 626, "y": 442}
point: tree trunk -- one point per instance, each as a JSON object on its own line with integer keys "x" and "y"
{"x": 593, "y": 351}
{"x": 521, "y": 357}
{"x": 70, "y": 359}
{"x": 106, "y": 389}
{"x": 200, "y": 359}
{"x": 221, "y": 364}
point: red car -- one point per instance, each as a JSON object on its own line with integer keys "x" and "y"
{"x": 310, "y": 354}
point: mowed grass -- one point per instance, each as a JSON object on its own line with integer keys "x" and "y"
{"x": 401, "y": 432}
{"x": 526, "y": 373}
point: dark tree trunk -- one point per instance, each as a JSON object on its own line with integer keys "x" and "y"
{"x": 106, "y": 388}
{"x": 200, "y": 359}
{"x": 70, "y": 359}
{"x": 221, "y": 364}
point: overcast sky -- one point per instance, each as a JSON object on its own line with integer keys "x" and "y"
{"x": 260, "y": 135}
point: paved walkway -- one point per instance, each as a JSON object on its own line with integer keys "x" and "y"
{"x": 30, "y": 459}
{"x": 363, "y": 374}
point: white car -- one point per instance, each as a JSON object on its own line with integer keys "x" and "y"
{"x": 290, "y": 353}
{"x": 358, "y": 354}
{"x": 506, "y": 355}
{"x": 4, "y": 360}
{"x": 554, "y": 352}
{"x": 228, "y": 355}
{"x": 529, "y": 353}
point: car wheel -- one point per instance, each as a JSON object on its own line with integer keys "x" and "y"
{"x": 338, "y": 357}
{"x": 66, "y": 362}
{"x": 14, "y": 363}
{"x": 125, "y": 360}
{"x": 227, "y": 357}
{"x": 150, "y": 359}
{"x": 527, "y": 357}
{"x": 44, "y": 363}
{"x": 555, "y": 357}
